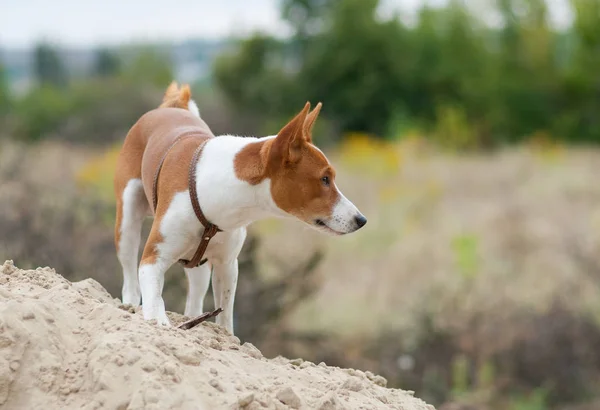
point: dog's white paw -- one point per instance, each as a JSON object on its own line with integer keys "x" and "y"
{"x": 132, "y": 298}
{"x": 163, "y": 320}
{"x": 156, "y": 312}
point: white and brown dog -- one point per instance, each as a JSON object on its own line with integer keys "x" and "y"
{"x": 233, "y": 180}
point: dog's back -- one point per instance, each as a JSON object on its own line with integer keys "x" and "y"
{"x": 147, "y": 141}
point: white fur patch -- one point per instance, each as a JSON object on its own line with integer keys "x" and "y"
{"x": 193, "y": 108}
{"x": 230, "y": 202}
{"x": 343, "y": 217}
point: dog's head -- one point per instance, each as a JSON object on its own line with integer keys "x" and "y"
{"x": 303, "y": 179}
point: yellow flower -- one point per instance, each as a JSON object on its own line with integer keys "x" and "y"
{"x": 97, "y": 175}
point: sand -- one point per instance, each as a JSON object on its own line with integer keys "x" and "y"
{"x": 70, "y": 345}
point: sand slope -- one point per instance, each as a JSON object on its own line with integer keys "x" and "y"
{"x": 70, "y": 345}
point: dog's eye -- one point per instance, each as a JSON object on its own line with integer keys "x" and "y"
{"x": 325, "y": 181}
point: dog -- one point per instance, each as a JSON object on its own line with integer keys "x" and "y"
{"x": 171, "y": 159}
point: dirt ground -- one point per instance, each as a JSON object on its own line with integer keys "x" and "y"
{"x": 71, "y": 345}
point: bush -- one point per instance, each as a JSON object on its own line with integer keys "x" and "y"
{"x": 98, "y": 111}
{"x": 41, "y": 111}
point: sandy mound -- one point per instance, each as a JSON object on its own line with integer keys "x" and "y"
{"x": 71, "y": 345}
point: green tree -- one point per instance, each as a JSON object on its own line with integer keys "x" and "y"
{"x": 48, "y": 66}
{"x": 149, "y": 67}
{"x": 305, "y": 15}
{"x": 5, "y": 100}
{"x": 253, "y": 77}
{"x": 107, "y": 63}
{"x": 449, "y": 71}
{"x": 356, "y": 66}
{"x": 580, "y": 93}
{"x": 425, "y": 75}
{"x": 526, "y": 78}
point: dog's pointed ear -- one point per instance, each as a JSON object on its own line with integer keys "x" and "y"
{"x": 309, "y": 122}
{"x": 173, "y": 87}
{"x": 290, "y": 139}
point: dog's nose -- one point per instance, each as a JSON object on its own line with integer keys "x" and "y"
{"x": 360, "y": 220}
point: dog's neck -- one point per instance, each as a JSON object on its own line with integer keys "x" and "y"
{"x": 226, "y": 200}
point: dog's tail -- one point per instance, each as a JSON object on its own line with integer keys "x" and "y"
{"x": 180, "y": 97}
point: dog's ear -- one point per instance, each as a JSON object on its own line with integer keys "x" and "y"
{"x": 172, "y": 88}
{"x": 310, "y": 121}
{"x": 288, "y": 144}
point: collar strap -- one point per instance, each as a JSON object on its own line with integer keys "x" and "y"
{"x": 210, "y": 229}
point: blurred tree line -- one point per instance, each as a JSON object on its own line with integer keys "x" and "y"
{"x": 448, "y": 74}
{"x": 96, "y": 106}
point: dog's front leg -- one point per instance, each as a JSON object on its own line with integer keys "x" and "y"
{"x": 225, "y": 277}
{"x": 152, "y": 280}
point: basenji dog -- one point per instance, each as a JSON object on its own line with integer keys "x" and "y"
{"x": 173, "y": 168}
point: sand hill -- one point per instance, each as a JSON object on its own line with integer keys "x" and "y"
{"x": 70, "y": 345}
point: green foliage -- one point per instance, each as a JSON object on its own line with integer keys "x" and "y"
{"x": 400, "y": 124}
{"x": 107, "y": 63}
{"x": 486, "y": 375}
{"x": 97, "y": 111}
{"x": 304, "y": 15}
{"x": 465, "y": 253}
{"x": 353, "y": 66}
{"x": 453, "y": 129}
{"x": 41, "y": 112}
{"x": 463, "y": 82}
{"x": 460, "y": 376}
{"x": 536, "y": 400}
{"x": 580, "y": 88}
{"x": 249, "y": 76}
{"x": 5, "y": 99}
{"x": 48, "y": 66}
{"x": 149, "y": 67}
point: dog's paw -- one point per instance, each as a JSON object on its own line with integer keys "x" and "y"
{"x": 157, "y": 314}
{"x": 163, "y": 320}
{"x": 132, "y": 298}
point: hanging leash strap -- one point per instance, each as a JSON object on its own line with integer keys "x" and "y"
{"x": 210, "y": 229}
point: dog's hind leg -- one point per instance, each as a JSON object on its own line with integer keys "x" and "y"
{"x": 168, "y": 241}
{"x": 132, "y": 207}
{"x": 152, "y": 270}
{"x": 198, "y": 281}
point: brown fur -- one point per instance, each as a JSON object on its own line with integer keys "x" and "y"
{"x": 310, "y": 122}
{"x": 295, "y": 168}
{"x": 176, "y": 97}
{"x": 174, "y": 178}
{"x": 144, "y": 146}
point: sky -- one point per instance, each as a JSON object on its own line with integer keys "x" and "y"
{"x": 85, "y": 23}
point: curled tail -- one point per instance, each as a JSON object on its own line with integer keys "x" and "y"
{"x": 180, "y": 97}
